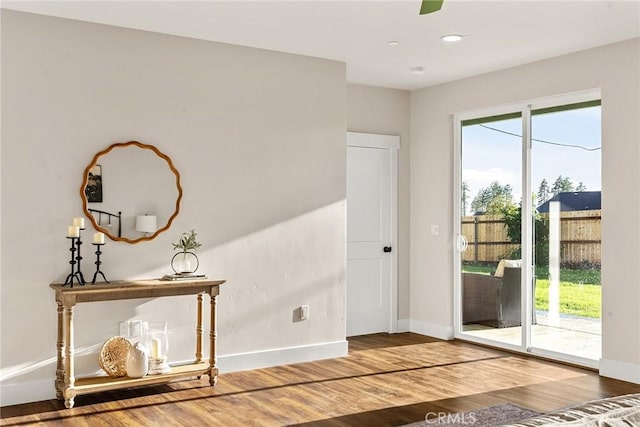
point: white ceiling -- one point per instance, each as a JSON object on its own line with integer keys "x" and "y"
{"x": 501, "y": 34}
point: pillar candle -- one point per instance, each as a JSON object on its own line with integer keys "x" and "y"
{"x": 98, "y": 238}
{"x": 79, "y": 222}
{"x": 155, "y": 348}
{"x": 73, "y": 231}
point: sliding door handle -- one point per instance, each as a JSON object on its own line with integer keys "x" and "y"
{"x": 462, "y": 243}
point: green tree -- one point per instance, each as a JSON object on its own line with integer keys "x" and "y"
{"x": 493, "y": 199}
{"x": 543, "y": 192}
{"x": 562, "y": 185}
{"x": 581, "y": 187}
{"x": 513, "y": 222}
{"x": 465, "y": 197}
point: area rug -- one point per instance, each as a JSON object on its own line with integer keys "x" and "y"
{"x": 485, "y": 417}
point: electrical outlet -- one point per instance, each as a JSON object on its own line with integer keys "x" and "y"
{"x": 132, "y": 328}
{"x": 124, "y": 329}
{"x": 136, "y": 328}
{"x": 304, "y": 312}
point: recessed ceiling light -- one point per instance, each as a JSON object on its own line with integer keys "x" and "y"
{"x": 393, "y": 42}
{"x": 452, "y": 37}
{"x": 416, "y": 69}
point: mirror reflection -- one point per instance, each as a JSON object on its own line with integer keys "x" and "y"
{"x": 131, "y": 192}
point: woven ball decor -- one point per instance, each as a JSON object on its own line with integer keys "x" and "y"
{"x": 113, "y": 356}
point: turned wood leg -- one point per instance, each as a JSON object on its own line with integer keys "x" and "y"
{"x": 69, "y": 368}
{"x": 213, "y": 370}
{"x": 199, "y": 331}
{"x": 60, "y": 353}
{"x": 69, "y": 399}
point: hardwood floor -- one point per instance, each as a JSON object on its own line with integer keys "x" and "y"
{"x": 387, "y": 380}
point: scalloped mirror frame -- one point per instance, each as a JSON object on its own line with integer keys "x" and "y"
{"x": 85, "y": 181}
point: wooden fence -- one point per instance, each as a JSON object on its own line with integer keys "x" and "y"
{"x": 580, "y": 239}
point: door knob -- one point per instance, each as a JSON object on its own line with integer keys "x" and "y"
{"x": 387, "y": 249}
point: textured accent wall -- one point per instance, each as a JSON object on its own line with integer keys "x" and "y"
{"x": 259, "y": 139}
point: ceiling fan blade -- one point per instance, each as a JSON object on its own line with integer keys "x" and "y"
{"x": 429, "y": 6}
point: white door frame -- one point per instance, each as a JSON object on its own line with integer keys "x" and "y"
{"x": 391, "y": 143}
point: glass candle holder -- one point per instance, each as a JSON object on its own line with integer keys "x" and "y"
{"x": 158, "y": 345}
{"x": 157, "y": 340}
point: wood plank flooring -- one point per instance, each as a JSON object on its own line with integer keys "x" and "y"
{"x": 387, "y": 380}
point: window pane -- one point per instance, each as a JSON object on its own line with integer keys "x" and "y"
{"x": 566, "y": 164}
{"x": 491, "y": 193}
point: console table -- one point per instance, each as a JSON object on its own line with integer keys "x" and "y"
{"x": 67, "y": 387}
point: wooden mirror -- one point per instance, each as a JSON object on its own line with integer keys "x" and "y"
{"x": 125, "y": 186}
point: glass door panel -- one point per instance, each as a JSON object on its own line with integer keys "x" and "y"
{"x": 565, "y": 176}
{"x": 491, "y": 182}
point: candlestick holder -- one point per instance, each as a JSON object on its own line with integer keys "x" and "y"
{"x": 79, "y": 258}
{"x": 97, "y": 263}
{"x": 74, "y": 274}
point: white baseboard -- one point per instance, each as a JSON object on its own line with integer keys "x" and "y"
{"x": 431, "y": 330}
{"x": 404, "y": 325}
{"x": 13, "y": 394}
{"x": 620, "y": 370}
{"x": 282, "y": 356}
{"x": 33, "y": 391}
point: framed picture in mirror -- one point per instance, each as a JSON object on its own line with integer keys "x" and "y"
{"x": 93, "y": 190}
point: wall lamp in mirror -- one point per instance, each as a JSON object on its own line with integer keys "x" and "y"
{"x": 125, "y": 179}
{"x": 146, "y": 224}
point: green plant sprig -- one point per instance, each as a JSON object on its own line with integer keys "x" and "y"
{"x": 187, "y": 242}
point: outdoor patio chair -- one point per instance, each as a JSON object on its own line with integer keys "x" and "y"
{"x": 490, "y": 300}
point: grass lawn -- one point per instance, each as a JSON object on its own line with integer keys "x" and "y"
{"x": 580, "y": 290}
{"x": 575, "y": 299}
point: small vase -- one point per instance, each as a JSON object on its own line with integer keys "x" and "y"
{"x": 185, "y": 263}
{"x": 137, "y": 361}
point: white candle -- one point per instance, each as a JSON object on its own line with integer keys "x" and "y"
{"x": 79, "y": 222}
{"x": 73, "y": 231}
{"x": 98, "y": 238}
{"x": 155, "y": 348}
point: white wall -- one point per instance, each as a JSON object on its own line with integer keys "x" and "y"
{"x": 259, "y": 140}
{"x": 616, "y": 70}
{"x": 386, "y": 111}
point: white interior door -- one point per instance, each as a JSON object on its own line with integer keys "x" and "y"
{"x": 371, "y": 232}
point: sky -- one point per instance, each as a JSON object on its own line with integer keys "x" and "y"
{"x": 489, "y": 155}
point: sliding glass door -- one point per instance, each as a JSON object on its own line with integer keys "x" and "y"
{"x": 565, "y": 174}
{"x": 490, "y": 195}
{"x": 527, "y": 261}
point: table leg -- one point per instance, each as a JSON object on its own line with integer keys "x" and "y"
{"x": 213, "y": 369}
{"x": 69, "y": 365}
{"x": 199, "y": 331}
{"x": 60, "y": 353}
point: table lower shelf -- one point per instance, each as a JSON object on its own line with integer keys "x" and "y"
{"x": 98, "y": 384}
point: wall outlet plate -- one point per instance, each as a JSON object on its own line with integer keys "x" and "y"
{"x": 132, "y": 328}
{"x": 304, "y": 312}
{"x": 124, "y": 329}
